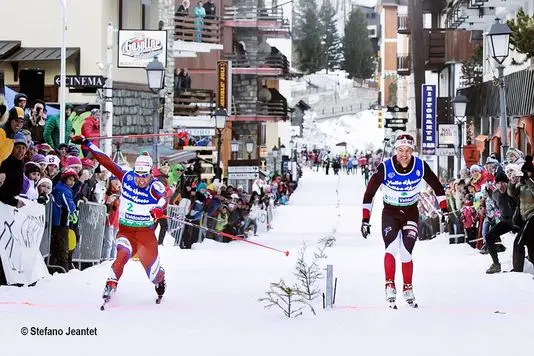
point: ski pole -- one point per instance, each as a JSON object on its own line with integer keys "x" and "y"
{"x": 232, "y": 236}
{"x": 132, "y": 136}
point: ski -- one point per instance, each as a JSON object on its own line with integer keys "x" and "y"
{"x": 158, "y": 299}
{"x": 413, "y": 304}
{"x": 106, "y": 301}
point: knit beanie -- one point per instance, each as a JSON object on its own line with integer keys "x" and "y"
{"x": 501, "y": 177}
{"x": 72, "y": 162}
{"x": 38, "y": 158}
{"x": 31, "y": 167}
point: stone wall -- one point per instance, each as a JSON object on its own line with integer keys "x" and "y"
{"x": 243, "y": 131}
{"x": 133, "y": 112}
{"x": 166, "y": 16}
{"x": 245, "y": 89}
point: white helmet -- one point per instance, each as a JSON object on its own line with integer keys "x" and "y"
{"x": 143, "y": 164}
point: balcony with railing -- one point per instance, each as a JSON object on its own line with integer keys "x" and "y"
{"x": 195, "y": 34}
{"x": 448, "y": 46}
{"x": 269, "y": 21}
{"x": 277, "y": 109}
{"x": 194, "y": 102}
{"x": 403, "y": 64}
{"x": 403, "y": 24}
{"x": 260, "y": 64}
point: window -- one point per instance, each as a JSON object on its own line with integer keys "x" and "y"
{"x": 372, "y": 32}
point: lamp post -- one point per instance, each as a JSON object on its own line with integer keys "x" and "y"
{"x": 155, "y": 72}
{"x": 220, "y": 116}
{"x": 249, "y": 145}
{"x": 275, "y": 157}
{"x": 499, "y": 38}
{"x": 235, "y": 148}
{"x": 459, "y": 106}
{"x": 63, "y": 73}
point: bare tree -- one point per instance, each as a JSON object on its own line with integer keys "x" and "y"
{"x": 289, "y": 299}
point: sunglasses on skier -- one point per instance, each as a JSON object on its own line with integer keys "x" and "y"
{"x": 142, "y": 174}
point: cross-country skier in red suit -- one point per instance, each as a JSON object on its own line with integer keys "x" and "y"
{"x": 401, "y": 179}
{"x": 141, "y": 203}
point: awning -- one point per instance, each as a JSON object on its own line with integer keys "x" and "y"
{"x": 40, "y": 54}
{"x": 497, "y": 134}
{"x": 7, "y": 48}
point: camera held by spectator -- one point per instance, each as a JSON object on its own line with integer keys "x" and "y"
{"x": 44, "y": 188}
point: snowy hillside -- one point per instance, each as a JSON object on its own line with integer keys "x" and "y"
{"x": 359, "y": 131}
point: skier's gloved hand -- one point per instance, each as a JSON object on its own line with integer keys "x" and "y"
{"x": 366, "y": 229}
{"x": 156, "y": 213}
{"x": 79, "y": 140}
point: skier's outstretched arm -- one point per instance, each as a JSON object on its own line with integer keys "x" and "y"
{"x": 101, "y": 157}
{"x": 374, "y": 183}
{"x": 434, "y": 183}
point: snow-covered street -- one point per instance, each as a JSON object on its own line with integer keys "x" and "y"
{"x": 211, "y": 305}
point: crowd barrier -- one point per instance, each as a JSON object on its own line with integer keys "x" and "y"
{"x": 176, "y": 213}
{"x": 91, "y": 227}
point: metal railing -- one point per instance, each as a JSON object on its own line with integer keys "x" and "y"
{"x": 258, "y": 60}
{"x": 258, "y": 108}
{"x": 194, "y": 102}
{"x": 253, "y": 13}
{"x": 403, "y": 23}
{"x": 195, "y": 29}
{"x": 403, "y": 64}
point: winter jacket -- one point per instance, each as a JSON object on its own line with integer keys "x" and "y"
{"x": 469, "y": 216}
{"x": 91, "y": 128}
{"x": 51, "y": 130}
{"x": 525, "y": 193}
{"x": 14, "y": 170}
{"x": 6, "y": 141}
{"x": 505, "y": 204}
{"x": 63, "y": 204}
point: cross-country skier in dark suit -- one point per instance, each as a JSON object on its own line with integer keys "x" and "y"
{"x": 401, "y": 179}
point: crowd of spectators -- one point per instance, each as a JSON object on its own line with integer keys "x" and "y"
{"x": 35, "y": 166}
{"x": 485, "y": 203}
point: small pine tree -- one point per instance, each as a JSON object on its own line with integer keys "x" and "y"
{"x": 289, "y": 299}
{"x": 308, "y": 274}
{"x": 358, "y": 56}
{"x": 307, "y": 37}
{"x": 331, "y": 40}
{"x": 324, "y": 243}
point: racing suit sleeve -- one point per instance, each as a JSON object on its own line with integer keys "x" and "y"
{"x": 373, "y": 185}
{"x": 434, "y": 183}
{"x": 104, "y": 160}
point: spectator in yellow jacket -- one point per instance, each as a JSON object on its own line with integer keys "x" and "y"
{"x": 8, "y": 130}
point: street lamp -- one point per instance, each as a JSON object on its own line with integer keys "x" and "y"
{"x": 235, "y": 147}
{"x": 220, "y": 116}
{"x": 499, "y": 38}
{"x": 275, "y": 157}
{"x": 155, "y": 73}
{"x": 459, "y": 107}
{"x": 250, "y": 147}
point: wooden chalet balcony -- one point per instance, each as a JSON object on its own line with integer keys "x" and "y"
{"x": 270, "y": 22}
{"x": 194, "y": 102}
{"x": 260, "y": 64}
{"x": 274, "y": 110}
{"x": 448, "y": 46}
{"x": 403, "y": 64}
{"x": 187, "y": 28}
{"x": 403, "y": 24}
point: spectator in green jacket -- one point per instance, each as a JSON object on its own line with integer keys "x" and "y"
{"x": 51, "y": 130}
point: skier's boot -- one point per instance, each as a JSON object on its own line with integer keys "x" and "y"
{"x": 407, "y": 291}
{"x": 160, "y": 288}
{"x": 391, "y": 292}
{"x": 494, "y": 268}
{"x": 111, "y": 286}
